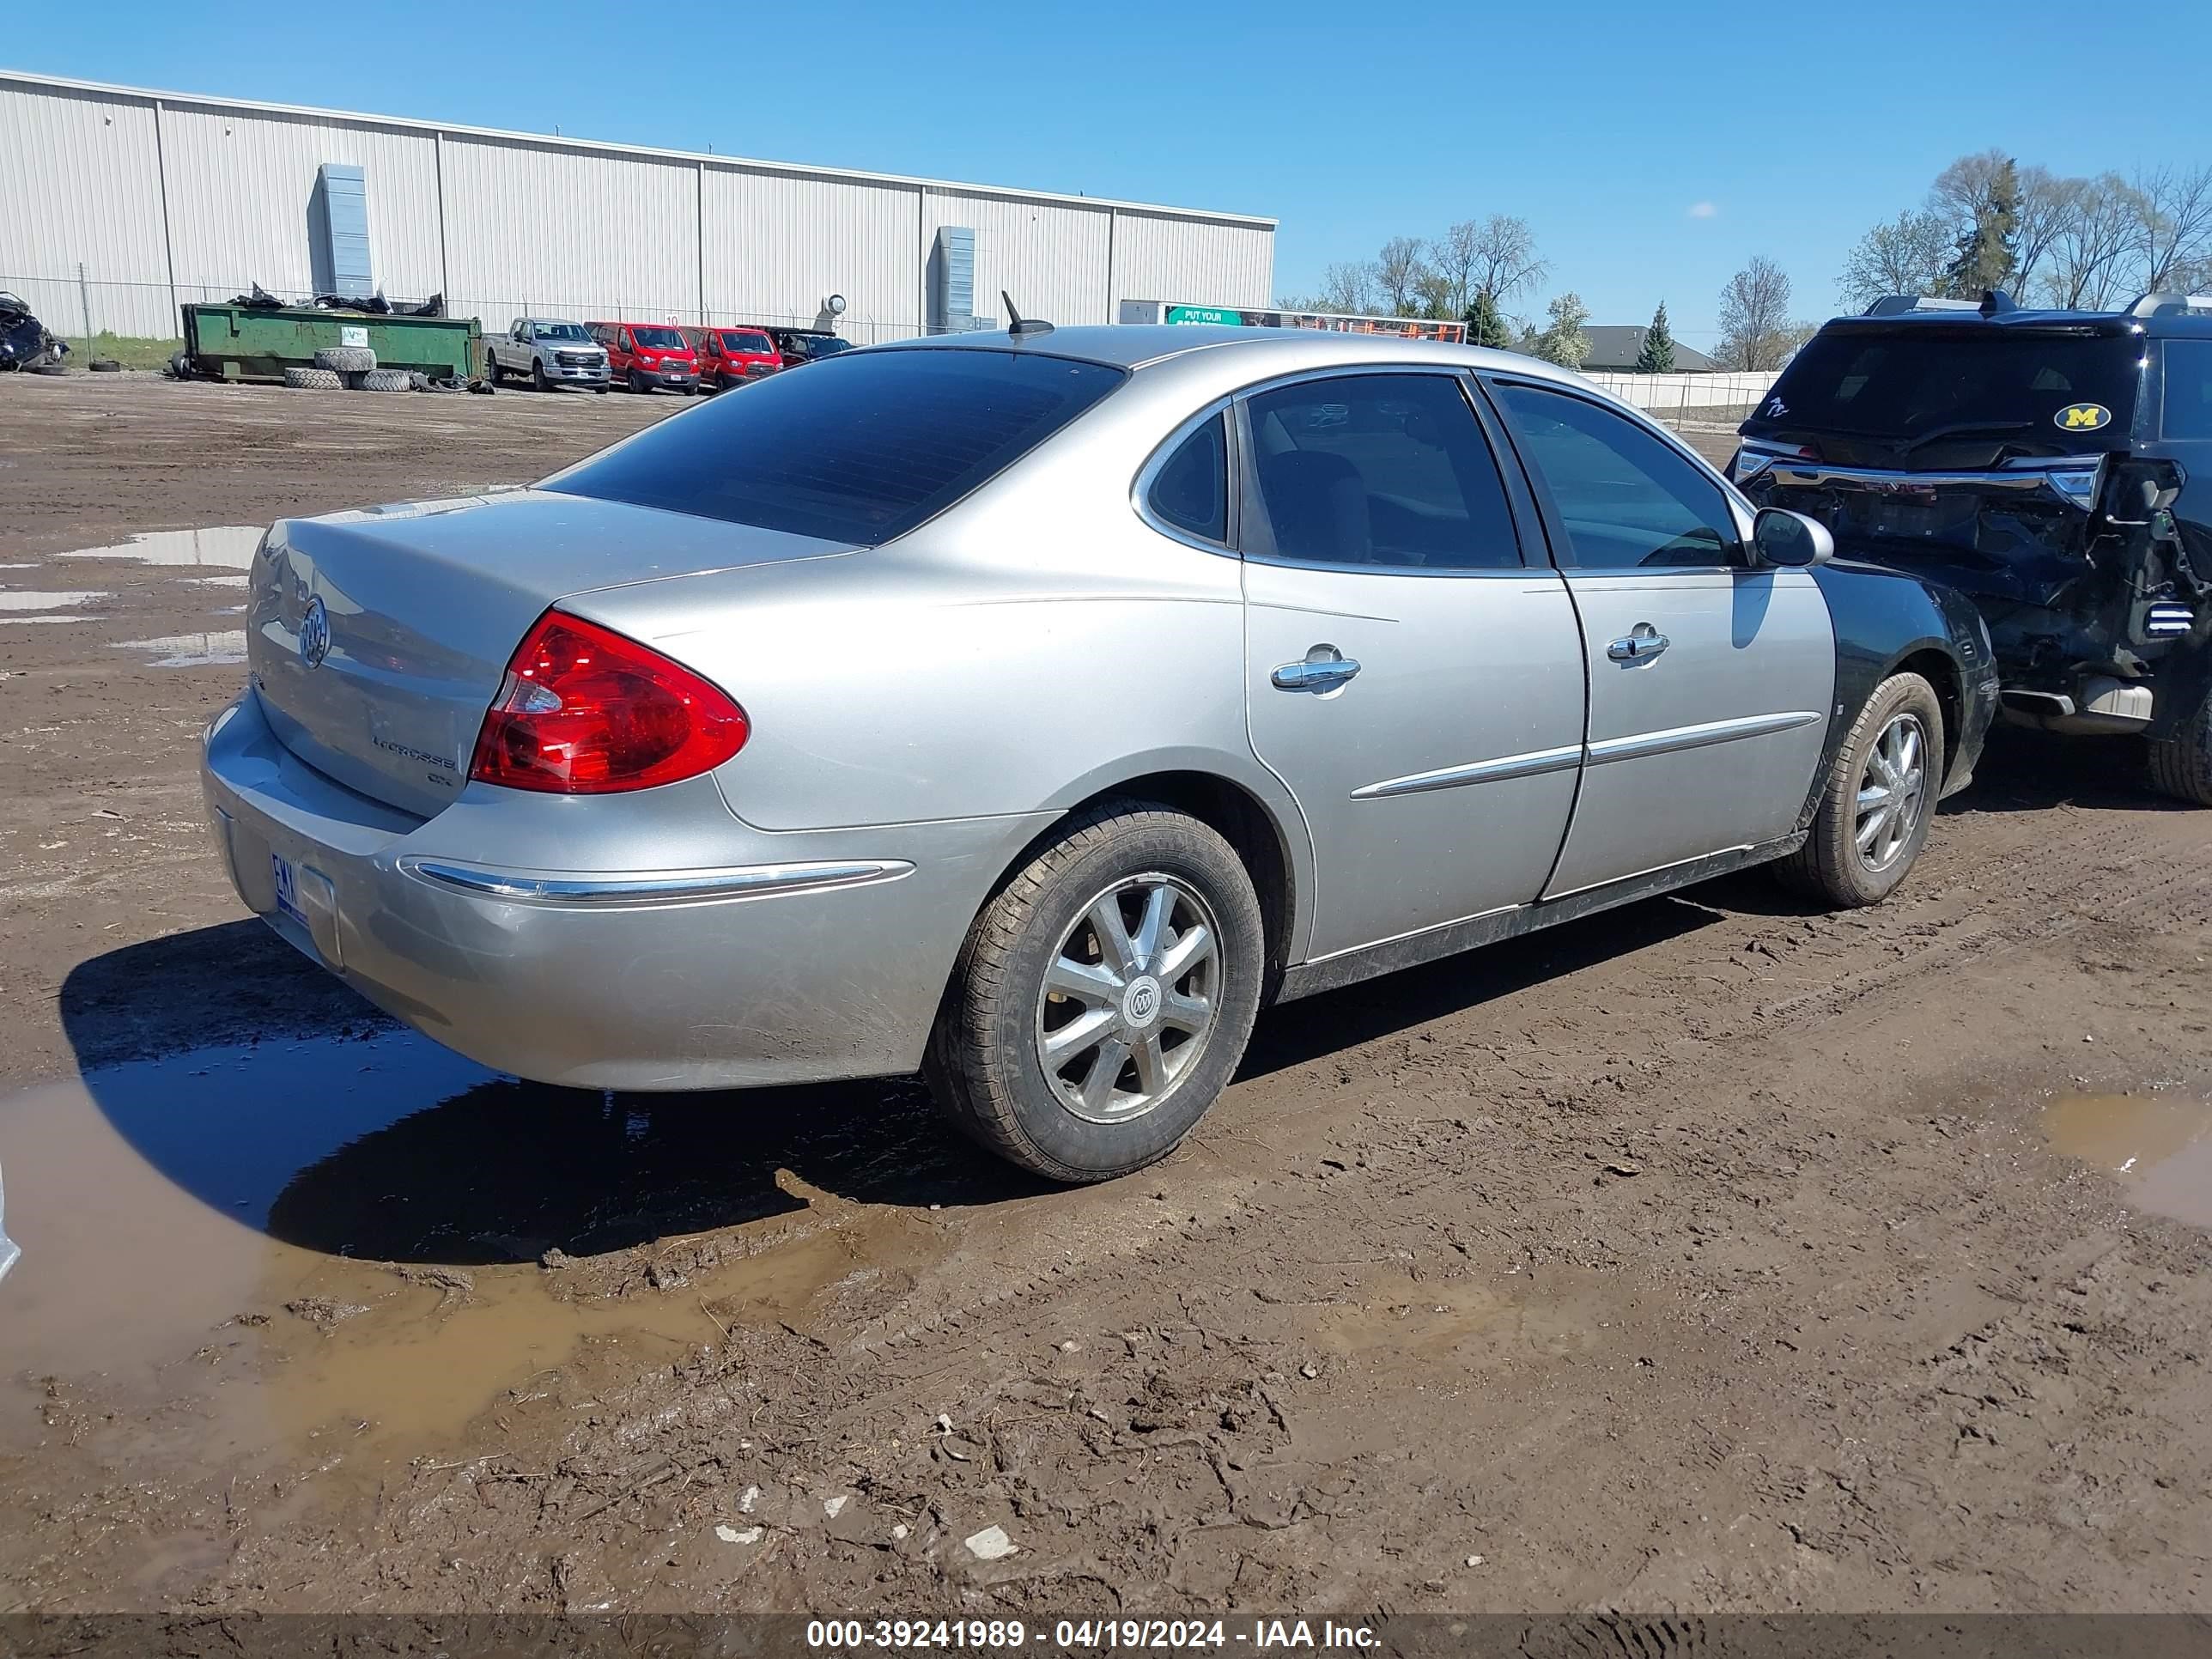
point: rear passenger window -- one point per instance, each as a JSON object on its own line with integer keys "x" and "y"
{"x": 2189, "y": 389}
{"x": 1629, "y": 500}
{"x": 1191, "y": 492}
{"x": 1380, "y": 470}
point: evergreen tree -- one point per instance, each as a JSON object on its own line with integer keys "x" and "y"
{"x": 1986, "y": 253}
{"x": 1657, "y": 357}
{"x": 1486, "y": 324}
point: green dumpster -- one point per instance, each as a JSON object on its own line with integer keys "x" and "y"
{"x": 241, "y": 342}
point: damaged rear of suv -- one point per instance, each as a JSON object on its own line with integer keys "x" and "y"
{"x": 2056, "y": 466}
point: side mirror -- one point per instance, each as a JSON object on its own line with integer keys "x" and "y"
{"x": 1789, "y": 540}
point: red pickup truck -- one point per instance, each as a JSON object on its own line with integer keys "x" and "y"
{"x": 731, "y": 356}
{"x": 645, "y": 356}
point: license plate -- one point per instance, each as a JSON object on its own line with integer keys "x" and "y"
{"x": 287, "y": 887}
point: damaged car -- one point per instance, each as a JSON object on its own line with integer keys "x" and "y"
{"x": 2054, "y": 465}
{"x": 24, "y": 341}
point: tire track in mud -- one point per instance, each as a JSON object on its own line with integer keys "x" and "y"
{"x": 2040, "y": 888}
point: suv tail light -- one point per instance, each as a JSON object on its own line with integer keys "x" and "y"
{"x": 584, "y": 711}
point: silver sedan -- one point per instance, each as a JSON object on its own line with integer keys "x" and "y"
{"x": 1028, "y": 709}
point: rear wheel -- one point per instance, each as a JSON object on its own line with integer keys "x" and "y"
{"x": 2181, "y": 765}
{"x": 1881, "y": 797}
{"x": 1104, "y": 996}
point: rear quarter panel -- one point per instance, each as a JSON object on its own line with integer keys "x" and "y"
{"x": 1884, "y": 617}
{"x": 1033, "y": 645}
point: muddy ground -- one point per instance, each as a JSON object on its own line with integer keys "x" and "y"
{"x": 1712, "y": 1255}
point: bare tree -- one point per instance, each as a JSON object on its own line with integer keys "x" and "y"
{"x": 1504, "y": 258}
{"x": 2047, "y": 204}
{"x": 1347, "y": 286}
{"x": 1904, "y": 255}
{"x": 1398, "y": 273}
{"x": 1755, "y": 326}
{"x": 2089, "y": 258}
{"x": 1453, "y": 257}
{"x": 1966, "y": 189}
{"x": 2174, "y": 221}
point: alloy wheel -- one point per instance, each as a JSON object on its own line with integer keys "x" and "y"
{"x": 1128, "y": 1000}
{"x": 1892, "y": 793}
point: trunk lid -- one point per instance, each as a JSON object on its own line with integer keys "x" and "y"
{"x": 376, "y": 640}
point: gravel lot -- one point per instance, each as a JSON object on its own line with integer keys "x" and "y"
{"x": 1707, "y": 1255}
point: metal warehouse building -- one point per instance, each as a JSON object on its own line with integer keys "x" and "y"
{"x": 117, "y": 203}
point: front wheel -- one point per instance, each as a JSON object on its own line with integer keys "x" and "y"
{"x": 1881, "y": 797}
{"x": 538, "y": 380}
{"x": 2181, "y": 765}
{"x": 1104, "y": 996}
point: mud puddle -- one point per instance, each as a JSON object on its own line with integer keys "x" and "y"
{"x": 350, "y": 1250}
{"x": 191, "y": 650}
{"x": 225, "y": 545}
{"x": 2158, "y": 1144}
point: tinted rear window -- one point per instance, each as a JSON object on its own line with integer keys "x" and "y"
{"x": 2012, "y": 386}
{"x": 861, "y": 450}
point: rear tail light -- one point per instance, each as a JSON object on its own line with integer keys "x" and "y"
{"x": 584, "y": 711}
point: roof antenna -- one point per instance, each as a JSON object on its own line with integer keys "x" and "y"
{"x": 1022, "y": 325}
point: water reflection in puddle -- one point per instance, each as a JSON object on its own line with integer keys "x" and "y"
{"x": 191, "y": 650}
{"x": 23, "y": 599}
{"x": 337, "y": 1243}
{"x": 230, "y": 545}
{"x": 2159, "y": 1145}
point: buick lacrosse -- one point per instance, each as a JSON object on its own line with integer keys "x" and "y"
{"x": 1028, "y": 708}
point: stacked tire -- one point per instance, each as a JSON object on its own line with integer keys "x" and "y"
{"x": 349, "y": 369}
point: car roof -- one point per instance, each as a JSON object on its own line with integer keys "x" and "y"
{"x": 1263, "y": 350}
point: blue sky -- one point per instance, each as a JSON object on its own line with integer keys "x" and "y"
{"x": 1653, "y": 150}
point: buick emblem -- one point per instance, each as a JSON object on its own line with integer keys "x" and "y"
{"x": 1142, "y": 1001}
{"x": 315, "y": 633}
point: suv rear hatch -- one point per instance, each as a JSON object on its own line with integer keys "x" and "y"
{"x": 1975, "y": 452}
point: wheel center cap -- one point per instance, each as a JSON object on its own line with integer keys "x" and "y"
{"x": 1141, "y": 1003}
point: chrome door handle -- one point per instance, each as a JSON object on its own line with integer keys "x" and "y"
{"x": 1640, "y": 644}
{"x": 1324, "y": 670}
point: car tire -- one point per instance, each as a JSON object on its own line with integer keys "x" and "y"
{"x": 634, "y": 384}
{"x": 346, "y": 360}
{"x": 2181, "y": 765}
{"x": 1859, "y": 849}
{"x": 387, "y": 380}
{"x": 988, "y": 1063}
{"x": 493, "y": 373}
{"x": 538, "y": 380}
{"x": 313, "y": 380}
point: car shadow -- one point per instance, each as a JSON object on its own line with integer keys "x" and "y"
{"x": 1294, "y": 1033}
{"x": 264, "y": 1088}
{"x": 2023, "y": 771}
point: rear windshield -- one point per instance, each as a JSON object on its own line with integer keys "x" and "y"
{"x": 658, "y": 339}
{"x": 745, "y": 340}
{"x": 2031, "y": 392}
{"x": 857, "y": 451}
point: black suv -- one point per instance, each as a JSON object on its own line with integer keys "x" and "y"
{"x": 2054, "y": 466}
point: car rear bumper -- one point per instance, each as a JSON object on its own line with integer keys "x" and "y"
{"x": 803, "y": 956}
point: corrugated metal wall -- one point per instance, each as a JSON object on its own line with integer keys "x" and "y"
{"x": 80, "y": 181}
{"x": 778, "y": 247}
{"x": 1157, "y": 257}
{"x": 503, "y": 224}
{"x": 240, "y": 185}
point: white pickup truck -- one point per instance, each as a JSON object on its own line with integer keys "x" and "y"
{"x": 550, "y": 351}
